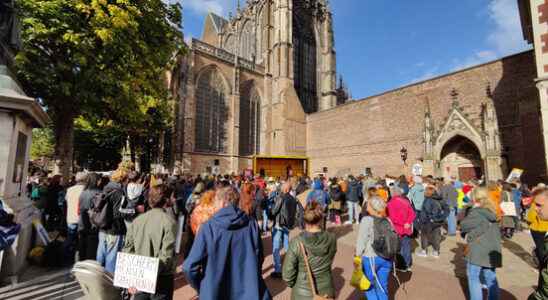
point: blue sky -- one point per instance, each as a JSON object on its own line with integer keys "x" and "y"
{"x": 382, "y": 45}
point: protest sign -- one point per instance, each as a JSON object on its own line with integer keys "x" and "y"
{"x": 515, "y": 174}
{"x": 416, "y": 169}
{"x": 140, "y": 272}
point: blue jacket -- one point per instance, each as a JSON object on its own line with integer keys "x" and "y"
{"x": 225, "y": 261}
{"x": 354, "y": 191}
{"x": 318, "y": 194}
{"x": 416, "y": 195}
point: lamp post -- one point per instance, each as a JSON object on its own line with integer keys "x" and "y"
{"x": 403, "y": 154}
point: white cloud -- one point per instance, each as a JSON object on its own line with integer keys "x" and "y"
{"x": 220, "y": 7}
{"x": 506, "y": 36}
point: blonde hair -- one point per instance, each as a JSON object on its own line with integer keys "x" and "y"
{"x": 119, "y": 175}
{"x": 480, "y": 195}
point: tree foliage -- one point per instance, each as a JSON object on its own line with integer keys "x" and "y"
{"x": 42, "y": 143}
{"x": 100, "y": 59}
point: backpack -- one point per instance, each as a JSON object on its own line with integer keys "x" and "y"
{"x": 335, "y": 192}
{"x": 100, "y": 213}
{"x": 440, "y": 211}
{"x": 386, "y": 241}
{"x": 288, "y": 212}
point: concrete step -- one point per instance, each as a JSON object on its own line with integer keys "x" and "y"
{"x": 55, "y": 286}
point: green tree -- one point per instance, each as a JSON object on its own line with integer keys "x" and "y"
{"x": 42, "y": 143}
{"x": 91, "y": 57}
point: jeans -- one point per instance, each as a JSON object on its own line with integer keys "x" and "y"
{"x": 280, "y": 236}
{"x": 265, "y": 220}
{"x": 353, "y": 213}
{"x": 452, "y": 221}
{"x": 405, "y": 251}
{"x": 379, "y": 283}
{"x": 71, "y": 242}
{"x": 478, "y": 275}
{"x": 108, "y": 248}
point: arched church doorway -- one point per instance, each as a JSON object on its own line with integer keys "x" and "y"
{"x": 461, "y": 159}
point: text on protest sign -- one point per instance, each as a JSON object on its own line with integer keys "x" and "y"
{"x": 140, "y": 272}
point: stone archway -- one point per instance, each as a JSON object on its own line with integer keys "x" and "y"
{"x": 460, "y": 143}
{"x": 460, "y": 158}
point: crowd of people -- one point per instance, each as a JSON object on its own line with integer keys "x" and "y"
{"x": 216, "y": 225}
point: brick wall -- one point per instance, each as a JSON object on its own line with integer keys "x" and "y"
{"x": 371, "y": 132}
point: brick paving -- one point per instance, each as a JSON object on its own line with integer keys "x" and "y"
{"x": 443, "y": 278}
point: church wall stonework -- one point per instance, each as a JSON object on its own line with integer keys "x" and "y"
{"x": 370, "y": 133}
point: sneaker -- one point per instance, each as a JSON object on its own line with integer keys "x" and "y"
{"x": 435, "y": 254}
{"x": 348, "y": 223}
{"x": 422, "y": 253}
{"x": 276, "y": 275}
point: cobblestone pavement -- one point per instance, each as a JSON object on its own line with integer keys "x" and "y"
{"x": 443, "y": 278}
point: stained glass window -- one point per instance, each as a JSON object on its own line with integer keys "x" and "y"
{"x": 211, "y": 112}
{"x": 304, "y": 57}
{"x": 250, "y": 120}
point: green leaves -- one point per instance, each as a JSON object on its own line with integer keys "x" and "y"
{"x": 100, "y": 59}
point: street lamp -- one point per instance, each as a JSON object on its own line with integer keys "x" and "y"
{"x": 403, "y": 154}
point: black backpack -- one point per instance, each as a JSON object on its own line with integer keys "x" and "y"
{"x": 386, "y": 241}
{"x": 101, "y": 211}
{"x": 288, "y": 212}
{"x": 440, "y": 212}
{"x": 335, "y": 192}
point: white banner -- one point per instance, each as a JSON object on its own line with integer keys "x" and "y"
{"x": 135, "y": 271}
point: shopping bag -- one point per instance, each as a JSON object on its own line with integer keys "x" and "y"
{"x": 509, "y": 209}
{"x": 359, "y": 280}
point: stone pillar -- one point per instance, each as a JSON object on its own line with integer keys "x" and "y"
{"x": 328, "y": 82}
{"x": 234, "y": 122}
{"x": 542, "y": 85}
{"x": 493, "y": 167}
{"x": 539, "y": 21}
{"x": 189, "y": 104}
{"x": 18, "y": 116}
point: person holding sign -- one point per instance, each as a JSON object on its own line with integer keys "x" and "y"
{"x": 226, "y": 259}
{"x": 153, "y": 234}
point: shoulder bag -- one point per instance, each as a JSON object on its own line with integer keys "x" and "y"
{"x": 466, "y": 249}
{"x": 315, "y": 295}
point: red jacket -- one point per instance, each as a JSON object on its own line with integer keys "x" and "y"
{"x": 400, "y": 213}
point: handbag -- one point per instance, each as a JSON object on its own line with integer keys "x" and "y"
{"x": 466, "y": 249}
{"x": 358, "y": 279}
{"x": 315, "y": 295}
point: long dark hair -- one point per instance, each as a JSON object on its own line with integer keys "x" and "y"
{"x": 92, "y": 181}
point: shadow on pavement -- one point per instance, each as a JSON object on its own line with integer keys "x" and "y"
{"x": 340, "y": 231}
{"x": 460, "y": 267}
{"x": 518, "y": 250}
{"x": 275, "y": 285}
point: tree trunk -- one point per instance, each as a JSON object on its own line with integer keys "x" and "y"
{"x": 64, "y": 144}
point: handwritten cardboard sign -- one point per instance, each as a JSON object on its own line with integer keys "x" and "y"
{"x": 140, "y": 272}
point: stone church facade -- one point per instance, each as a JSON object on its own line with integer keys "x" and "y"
{"x": 264, "y": 83}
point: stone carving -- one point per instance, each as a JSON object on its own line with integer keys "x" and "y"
{"x": 9, "y": 25}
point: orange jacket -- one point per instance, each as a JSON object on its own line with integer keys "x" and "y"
{"x": 495, "y": 198}
{"x": 383, "y": 194}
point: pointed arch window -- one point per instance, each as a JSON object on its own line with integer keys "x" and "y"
{"x": 250, "y": 120}
{"x": 247, "y": 41}
{"x": 211, "y": 112}
{"x": 229, "y": 44}
{"x": 304, "y": 57}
